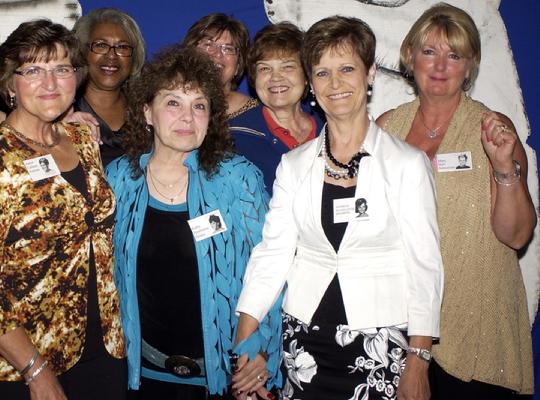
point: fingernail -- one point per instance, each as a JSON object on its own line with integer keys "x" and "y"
{"x": 270, "y": 396}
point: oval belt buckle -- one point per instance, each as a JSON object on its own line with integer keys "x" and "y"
{"x": 182, "y": 366}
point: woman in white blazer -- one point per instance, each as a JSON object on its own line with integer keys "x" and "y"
{"x": 363, "y": 292}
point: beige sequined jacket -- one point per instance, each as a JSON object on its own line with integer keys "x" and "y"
{"x": 46, "y": 230}
{"x": 485, "y": 332}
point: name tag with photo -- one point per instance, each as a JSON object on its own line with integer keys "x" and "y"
{"x": 350, "y": 209}
{"x": 454, "y": 162}
{"x": 207, "y": 225}
{"x": 41, "y": 167}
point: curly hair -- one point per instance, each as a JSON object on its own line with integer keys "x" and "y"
{"x": 173, "y": 68}
{"x": 37, "y": 41}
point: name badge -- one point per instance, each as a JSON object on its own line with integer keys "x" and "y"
{"x": 454, "y": 162}
{"x": 41, "y": 167}
{"x": 350, "y": 209}
{"x": 207, "y": 225}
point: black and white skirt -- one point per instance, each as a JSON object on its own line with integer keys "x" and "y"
{"x": 325, "y": 361}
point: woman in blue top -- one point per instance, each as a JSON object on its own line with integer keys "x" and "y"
{"x": 178, "y": 278}
{"x": 264, "y": 133}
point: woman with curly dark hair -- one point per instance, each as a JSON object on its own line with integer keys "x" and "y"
{"x": 178, "y": 278}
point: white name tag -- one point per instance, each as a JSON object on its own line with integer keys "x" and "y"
{"x": 350, "y": 209}
{"x": 41, "y": 167}
{"x": 207, "y": 225}
{"x": 454, "y": 162}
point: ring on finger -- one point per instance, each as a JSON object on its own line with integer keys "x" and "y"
{"x": 260, "y": 378}
{"x": 504, "y": 128}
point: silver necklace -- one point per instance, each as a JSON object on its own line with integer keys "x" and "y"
{"x": 153, "y": 180}
{"x": 432, "y": 133}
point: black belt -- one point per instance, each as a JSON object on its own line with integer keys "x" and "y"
{"x": 182, "y": 366}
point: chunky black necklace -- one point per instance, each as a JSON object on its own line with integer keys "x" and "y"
{"x": 351, "y": 168}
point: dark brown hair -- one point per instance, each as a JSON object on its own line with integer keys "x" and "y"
{"x": 280, "y": 39}
{"x": 338, "y": 32}
{"x": 212, "y": 26}
{"x": 36, "y": 41}
{"x": 172, "y": 68}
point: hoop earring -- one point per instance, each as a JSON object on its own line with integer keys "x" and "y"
{"x": 313, "y": 101}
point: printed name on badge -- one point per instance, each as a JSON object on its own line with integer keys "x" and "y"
{"x": 350, "y": 209}
{"x": 454, "y": 162}
{"x": 207, "y": 225}
{"x": 41, "y": 167}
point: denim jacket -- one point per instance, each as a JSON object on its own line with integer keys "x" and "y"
{"x": 237, "y": 190}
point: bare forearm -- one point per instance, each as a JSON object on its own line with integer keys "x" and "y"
{"x": 246, "y": 326}
{"x": 16, "y": 348}
{"x": 513, "y": 217}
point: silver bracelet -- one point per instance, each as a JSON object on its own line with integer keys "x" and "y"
{"x": 30, "y": 363}
{"x": 508, "y": 178}
{"x": 35, "y": 374}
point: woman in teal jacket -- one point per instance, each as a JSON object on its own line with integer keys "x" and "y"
{"x": 179, "y": 279}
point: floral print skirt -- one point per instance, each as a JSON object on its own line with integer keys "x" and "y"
{"x": 325, "y": 361}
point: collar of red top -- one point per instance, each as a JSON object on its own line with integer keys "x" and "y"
{"x": 283, "y": 134}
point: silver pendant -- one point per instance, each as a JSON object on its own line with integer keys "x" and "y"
{"x": 432, "y": 134}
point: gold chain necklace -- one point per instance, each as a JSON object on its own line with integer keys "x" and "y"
{"x": 153, "y": 180}
{"x": 432, "y": 133}
{"x": 55, "y": 136}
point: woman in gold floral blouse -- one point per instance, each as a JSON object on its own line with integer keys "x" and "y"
{"x": 60, "y": 327}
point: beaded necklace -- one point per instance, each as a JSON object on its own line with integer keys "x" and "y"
{"x": 347, "y": 171}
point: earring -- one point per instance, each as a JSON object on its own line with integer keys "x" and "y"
{"x": 313, "y": 101}
{"x": 466, "y": 85}
{"x": 149, "y": 128}
{"x": 12, "y": 102}
{"x": 369, "y": 89}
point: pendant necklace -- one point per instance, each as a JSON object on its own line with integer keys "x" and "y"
{"x": 153, "y": 180}
{"x": 55, "y": 136}
{"x": 349, "y": 170}
{"x": 432, "y": 133}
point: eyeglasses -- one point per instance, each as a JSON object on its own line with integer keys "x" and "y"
{"x": 211, "y": 47}
{"x": 121, "y": 50}
{"x": 37, "y": 73}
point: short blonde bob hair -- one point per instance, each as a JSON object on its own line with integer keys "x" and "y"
{"x": 453, "y": 25}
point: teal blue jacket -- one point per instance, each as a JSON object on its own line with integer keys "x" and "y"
{"x": 237, "y": 190}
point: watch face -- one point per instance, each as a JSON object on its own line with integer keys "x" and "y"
{"x": 426, "y": 355}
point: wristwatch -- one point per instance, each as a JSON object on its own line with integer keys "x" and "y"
{"x": 508, "y": 178}
{"x": 423, "y": 354}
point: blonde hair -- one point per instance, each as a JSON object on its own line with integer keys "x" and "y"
{"x": 452, "y": 24}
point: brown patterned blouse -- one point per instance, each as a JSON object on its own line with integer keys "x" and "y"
{"x": 46, "y": 230}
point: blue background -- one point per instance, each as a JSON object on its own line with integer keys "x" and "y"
{"x": 165, "y": 22}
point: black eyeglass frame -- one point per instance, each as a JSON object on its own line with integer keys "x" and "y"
{"x": 92, "y": 47}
